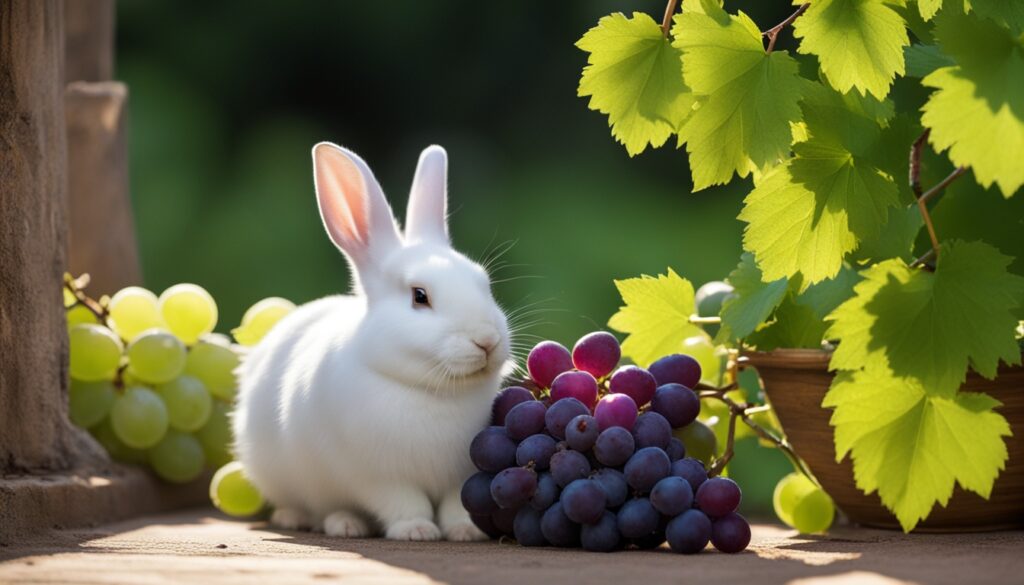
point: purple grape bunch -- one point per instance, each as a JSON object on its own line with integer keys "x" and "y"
{"x": 589, "y": 457}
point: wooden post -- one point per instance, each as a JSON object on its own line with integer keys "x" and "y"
{"x": 88, "y": 40}
{"x": 102, "y": 238}
{"x": 35, "y": 433}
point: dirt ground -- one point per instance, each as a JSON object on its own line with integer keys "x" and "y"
{"x": 199, "y": 546}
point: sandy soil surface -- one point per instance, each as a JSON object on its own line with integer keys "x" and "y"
{"x": 200, "y": 546}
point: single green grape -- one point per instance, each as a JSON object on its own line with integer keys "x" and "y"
{"x": 699, "y": 440}
{"x": 189, "y": 311}
{"x": 95, "y": 352}
{"x": 178, "y": 457}
{"x": 814, "y": 512}
{"x": 216, "y": 436}
{"x": 213, "y": 361}
{"x": 801, "y": 504}
{"x": 260, "y": 317}
{"x": 710, "y": 358}
{"x": 139, "y": 417}
{"x": 233, "y": 493}
{"x": 133, "y": 310}
{"x": 188, "y": 403}
{"x": 79, "y": 314}
{"x": 105, "y": 436}
{"x": 156, "y": 357}
{"x": 89, "y": 402}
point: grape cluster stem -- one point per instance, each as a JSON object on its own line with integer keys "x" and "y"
{"x": 76, "y": 287}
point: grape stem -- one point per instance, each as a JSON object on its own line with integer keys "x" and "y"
{"x": 75, "y": 286}
{"x": 914, "y": 177}
{"x": 773, "y": 33}
{"x": 743, "y": 411}
{"x": 666, "y": 21}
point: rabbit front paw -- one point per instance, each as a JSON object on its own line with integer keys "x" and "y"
{"x": 290, "y": 519}
{"x": 344, "y": 524}
{"x": 464, "y": 532}
{"x": 414, "y": 529}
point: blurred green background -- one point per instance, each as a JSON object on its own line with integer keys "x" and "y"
{"x": 227, "y": 100}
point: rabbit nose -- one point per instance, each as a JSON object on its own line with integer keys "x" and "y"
{"x": 486, "y": 343}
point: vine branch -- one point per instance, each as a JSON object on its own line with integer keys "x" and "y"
{"x": 773, "y": 33}
{"x": 914, "y": 177}
{"x": 666, "y": 21}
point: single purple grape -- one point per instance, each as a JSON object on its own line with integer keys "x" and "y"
{"x": 676, "y": 369}
{"x": 513, "y": 487}
{"x": 635, "y": 382}
{"x": 568, "y": 466}
{"x": 504, "y": 520}
{"x": 597, "y": 353}
{"x": 652, "y": 430}
{"x": 692, "y": 470}
{"x": 676, "y": 450}
{"x": 603, "y": 535}
{"x": 730, "y": 533}
{"x": 486, "y": 525}
{"x": 614, "y": 446}
{"x": 525, "y": 419}
{"x": 584, "y": 501}
{"x": 581, "y": 433}
{"x": 718, "y": 496}
{"x": 672, "y": 496}
{"x": 476, "y": 494}
{"x": 547, "y": 492}
{"x": 689, "y": 532}
{"x": 546, "y": 360}
{"x": 637, "y": 518}
{"x": 526, "y": 527}
{"x": 492, "y": 450}
{"x": 579, "y": 385}
{"x": 677, "y": 403}
{"x": 615, "y": 410}
{"x": 645, "y": 468}
{"x": 505, "y": 400}
{"x": 560, "y": 413}
{"x": 536, "y": 449}
{"x": 558, "y": 529}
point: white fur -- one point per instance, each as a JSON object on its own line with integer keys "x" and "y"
{"x": 355, "y": 413}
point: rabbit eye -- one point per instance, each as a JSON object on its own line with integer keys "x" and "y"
{"x": 419, "y": 297}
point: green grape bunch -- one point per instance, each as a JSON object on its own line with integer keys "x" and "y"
{"x": 154, "y": 385}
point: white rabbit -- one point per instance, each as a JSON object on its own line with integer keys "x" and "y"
{"x": 355, "y": 413}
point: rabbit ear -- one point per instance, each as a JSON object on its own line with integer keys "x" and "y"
{"x": 357, "y": 217}
{"x": 427, "y": 216}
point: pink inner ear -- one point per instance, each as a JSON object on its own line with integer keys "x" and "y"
{"x": 342, "y": 193}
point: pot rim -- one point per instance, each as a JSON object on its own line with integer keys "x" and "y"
{"x": 790, "y": 358}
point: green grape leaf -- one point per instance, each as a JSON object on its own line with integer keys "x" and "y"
{"x": 932, "y": 326}
{"x": 966, "y": 211}
{"x": 747, "y": 98}
{"x": 795, "y": 325}
{"x": 633, "y": 76}
{"x": 656, "y": 316}
{"x": 1009, "y": 13}
{"x": 896, "y": 239}
{"x": 924, "y": 59}
{"x": 912, "y": 446}
{"x": 928, "y": 8}
{"x": 977, "y": 111}
{"x": 825, "y": 296}
{"x": 753, "y": 302}
{"x": 858, "y": 42}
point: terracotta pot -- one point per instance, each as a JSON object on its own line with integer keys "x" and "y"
{"x": 796, "y": 381}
